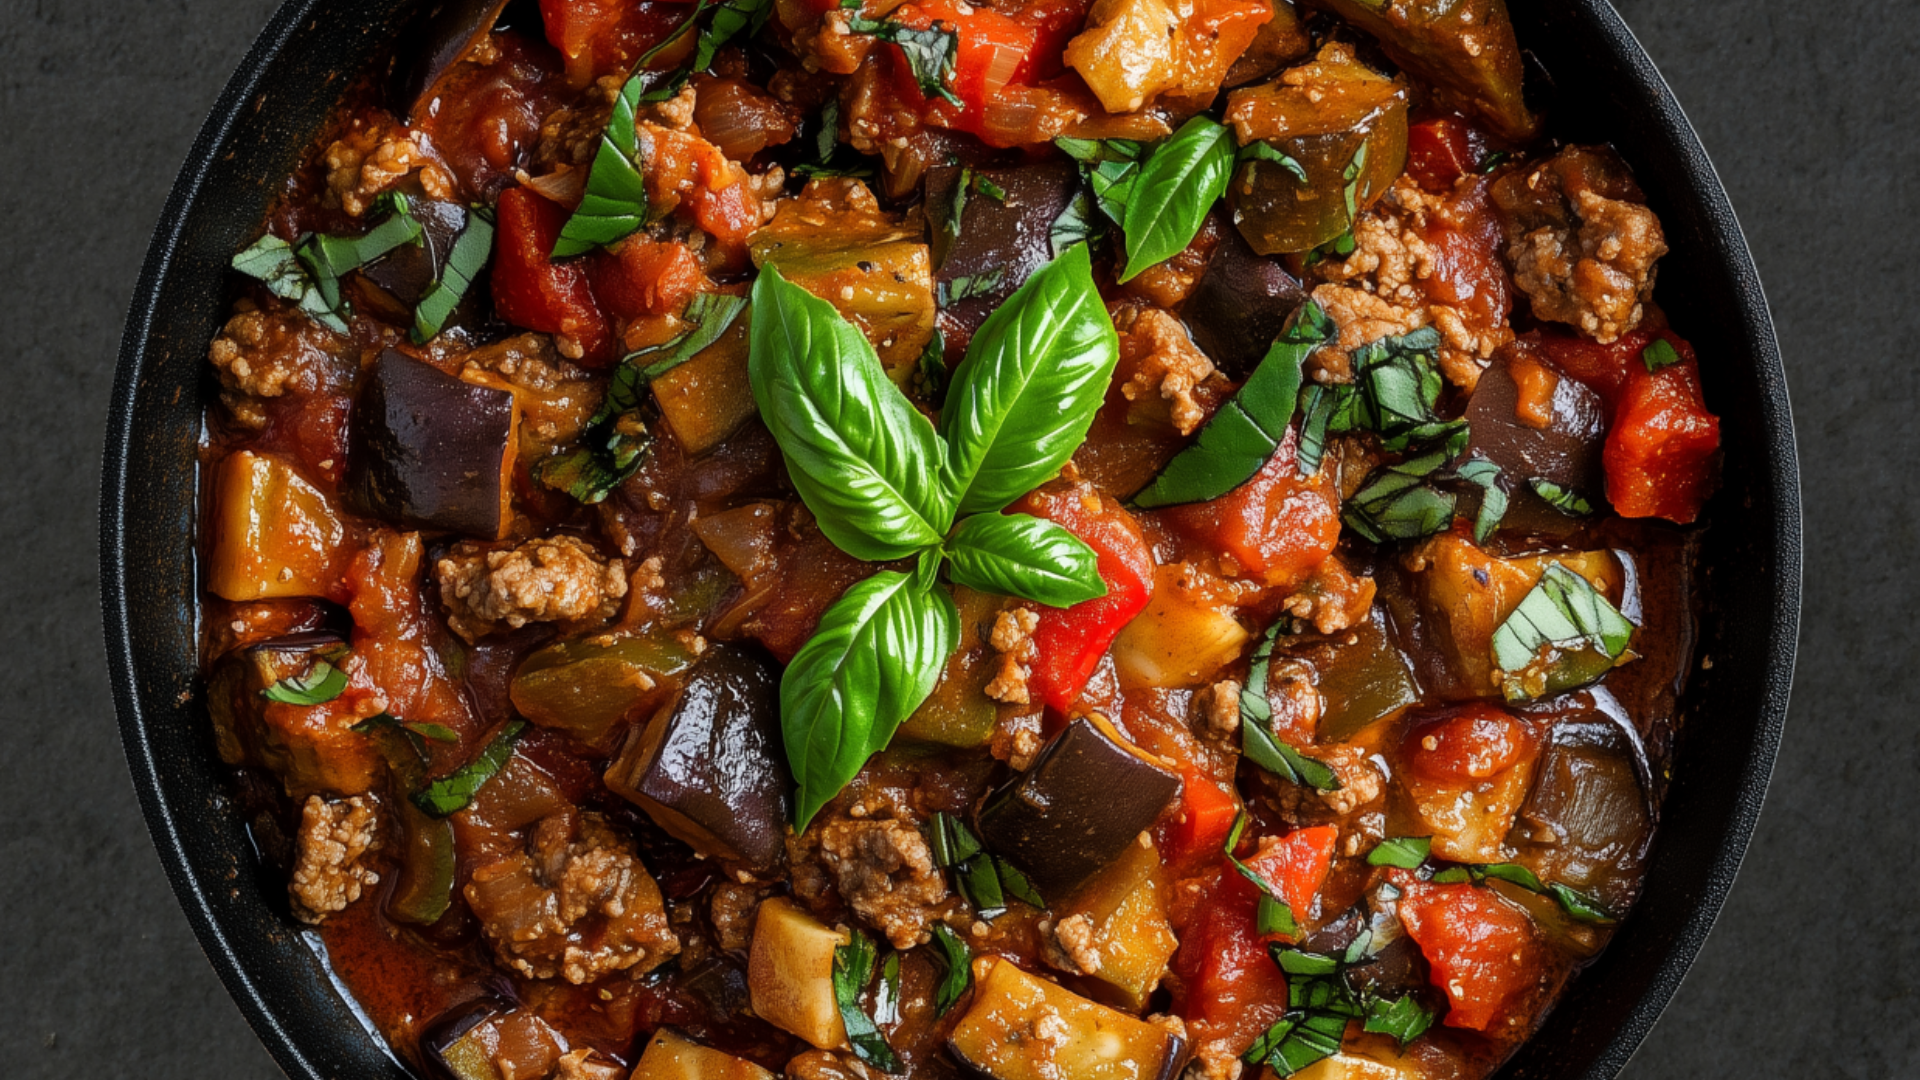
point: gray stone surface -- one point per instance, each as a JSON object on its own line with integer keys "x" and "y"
{"x": 1806, "y": 109}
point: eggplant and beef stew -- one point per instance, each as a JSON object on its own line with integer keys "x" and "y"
{"x": 1032, "y": 539}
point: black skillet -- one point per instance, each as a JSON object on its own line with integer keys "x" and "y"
{"x": 1604, "y": 88}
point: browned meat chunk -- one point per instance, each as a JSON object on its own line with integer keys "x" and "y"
{"x": 553, "y": 579}
{"x": 1169, "y": 366}
{"x": 1580, "y": 240}
{"x": 334, "y": 838}
{"x": 576, "y": 903}
{"x": 372, "y": 160}
{"x": 884, "y": 870}
{"x": 264, "y": 352}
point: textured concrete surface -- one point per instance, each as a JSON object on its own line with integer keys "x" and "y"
{"x": 1806, "y": 110}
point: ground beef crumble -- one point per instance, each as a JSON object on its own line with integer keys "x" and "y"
{"x": 265, "y": 352}
{"x": 1166, "y": 364}
{"x": 334, "y": 837}
{"x": 1012, "y": 638}
{"x": 552, "y": 579}
{"x": 885, "y": 872}
{"x": 372, "y": 160}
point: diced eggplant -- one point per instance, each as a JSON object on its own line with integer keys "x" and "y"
{"x": 1559, "y": 437}
{"x": 997, "y": 242}
{"x": 1088, "y": 795}
{"x": 1341, "y": 122}
{"x": 790, "y": 973}
{"x": 486, "y": 1040}
{"x": 1588, "y": 819}
{"x": 449, "y": 1052}
{"x": 1085, "y": 1040}
{"x": 1469, "y": 592}
{"x": 1240, "y": 304}
{"x": 707, "y": 398}
{"x": 1364, "y": 679}
{"x": 709, "y": 767}
{"x": 1126, "y": 909}
{"x": 404, "y": 274}
{"x": 586, "y": 687}
{"x": 1465, "y": 48}
{"x": 234, "y": 687}
{"x": 959, "y": 713}
{"x": 433, "y": 42}
{"x": 273, "y": 534}
{"x": 1278, "y": 42}
{"x": 423, "y": 889}
{"x": 429, "y": 451}
{"x": 671, "y": 1056}
{"x": 1178, "y": 640}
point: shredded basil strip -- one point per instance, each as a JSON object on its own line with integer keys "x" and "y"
{"x": 452, "y": 793}
{"x": 1562, "y": 613}
{"x": 1395, "y": 390}
{"x": 1111, "y": 168}
{"x": 308, "y": 271}
{"x": 1565, "y": 500}
{"x": 712, "y": 315}
{"x": 422, "y": 728}
{"x": 960, "y": 288}
{"x": 930, "y": 371}
{"x": 468, "y": 257}
{"x": 1394, "y": 504}
{"x": 1576, "y": 904}
{"x": 321, "y": 683}
{"x": 1238, "y": 440}
{"x": 1659, "y": 354}
{"x": 1403, "y": 1018}
{"x": 956, "y": 956}
{"x": 1260, "y": 150}
{"x": 1405, "y": 852}
{"x": 1257, "y": 740}
{"x": 1321, "y": 1002}
{"x": 853, "y": 965}
{"x": 615, "y": 202}
{"x": 1075, "y": 225}
{"x": 931, "y": 54}
{"x": 1486, "y": 476}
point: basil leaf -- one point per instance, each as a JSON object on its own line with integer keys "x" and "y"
{"x": 1015, "y": 884}
{"x": 1395, "y": 505}
{"x": 1176, "y": 187}
{"x": 1238, "y": 440}
{"x": 1405, "y": 1018}
{"x": 930, "y": 372}
{"x": 1658, "y": 354}
{"x": 979, "y": 882}
{"x": 1024, "y": 556}
{"x": 615, "y": 203}
{"x": 886, "y": 1000}
{"x": 1273, "y": 916}
{"x": 1075, "y": 225}
{"x": 866, "y": 462}
{"x": 1395, "y": 390}
{"x": 1563, "y": 614}
{"x": 730, "y": 19}
{"x": 613, "y": 445}
{"x": 452, "y": 793}
{"x": 1036, "y": 372}
{"x": 321, "y": 683}
{"x": 852, "y": 970}
{"x": 1580, "y": 906}
{"x": 1452, "y": 875}
{"x": 953, "y": 843}
{"x": 1485, "y": 475}
{"x": 465, "y": 260}
{"x": 425, "y": 730}
{"x": 331, "y": 258}
{"x": 957, "y": 289}
{"x": 956, "y": 958}
{"x": 308, "y": 272}
{"x": 272, "y": 262}
{"x": 1565, "y": 500}
{"x": 1299, "y": 1040}
{"x": 1513, "y": 872}
{"x": 831, "y": 156}
{"x": 931, "y": 54}
{"x": 712, "y": 314}
{"x": 1299, "y": 962}
{"x": 1111, "y": 167}
{"x": 1405, "y": 852}
{"x": 1261, "y": 150}
{"x": 877, "y": 653}
{"x": 1258, "y": 744}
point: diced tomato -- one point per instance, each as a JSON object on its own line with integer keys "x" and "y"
{"x": 1661, "y": 443}
{"x": 485, "y": 120}
{"x": 1205, "y": 817}
{"x": 1054, "y": 23}
{"x": 994, "y": 50}
{"x": 690, "y": 174}
{"x": 1277, "y": 525}
{"x": 605, "y": 37}
{"x": 1481, "y": 950}
{"x": 1069, "y": 642}
{"x": 1227, "y": 988}
{"x": 1468, "y": 273}
{"x": 312, "y": 430}
{"x": 645, "y": 277}
{"x": 1441, "y": 150}
{"x": 1473, "y": 742}
{"x": 531, "y": 290}
{"x": 1298, "y": 865}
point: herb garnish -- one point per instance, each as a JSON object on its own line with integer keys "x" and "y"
{"x": 1576, "y": 904}
{"x": 931, "y": 54}
{"x": 1658, "y": 354}
{"x": 984, "y": 880}
{"x": 1563, "y": 499}
{"x": 465, "y": 260}
{"x": 712, "y": 314}
{"x": 1320, "y": 1003}
{"x": 1258, "y": 742}
{"x": 451, "y": 793}
{"x": 831, "y": 157}
{"x": 960, "y": 288}
{"x": 321, "y": 683}
{"x": 416, "y": 731}
{"x": 1274, "y": 915}
{"x": 1177, "y": 185}
{"x": 1395, "y": 391}
{"x": 1394, "y": 504}
{"x": 1075, "y": 225}
{"x": 957, "y": 958}
{"x": 1563, "y": 634}
{"x": 1111, "y": 167}
{"x": 1486, "y": 476}
{"x": 308, "y": 271}
{"x": 853, "y": 965}
{"x": 1405, "y": 852}
{"x": 1237, "y": 441}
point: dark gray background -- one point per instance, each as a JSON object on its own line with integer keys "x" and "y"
{"x": 1807, "y": 109}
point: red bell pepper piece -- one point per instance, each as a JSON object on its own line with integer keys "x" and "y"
{"x": 1480, "y": 949}
{"x": 1277, "y": 525}
{"x": 531, "y": 290}
{"x": 645, "y": 277}
{"x": 1069, "y": 642}
{"x": 1205, "y": 817}
{"x": 1298, "y": 865}
{"x": 1227, "y": 989}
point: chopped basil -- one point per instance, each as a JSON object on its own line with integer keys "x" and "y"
{"x": 1273, "y": 915}
{"x": 978, "y": 882}
{"x": 615, "y": 203}
{"x": 1394, "y": 503}
{"x": 452, "y": 793}
{"x": 612, "y": 446}
{"x": 321, "y": 683}
{"x": 1257, "y": 740}
{"x": 1658, "y": 354}
{"x": 308, "y": 271}
{"x": 1075, "y": 225}
{"x": 1015, "y": 884}
{"x": 1403, "y": 1018}
{"x": 1486, "y": 476}
{"x": 1298, "y": 1040}
{"x": 1321, "y": 1002}
{"x": 1565, "y": 500}
{"x": 1563, "y": 634}
{"x": 990, "y": 189}
{"x": 886, "y": 1000}
{"x": 1299, "y": 962}
{"x": 1111, "y": 167}
{"x": 930, "y": 372}
{"x": 1579, "y": 905}
{"x": 1262, "y": 150}
{"x": 957, "y": 958}
{"x": 1396, "y": 387}
{"x": 1238, "y": 440}
{"x": 422, "y": 728}
{"x": 1405, "y": 852}
{"x": 953, "y": 843}
{"x": 1576, "y": 904}
{"x": 984, "y": 880}
{"x": 931, "y": 54}
{"x": 961, "y": 288}
{"x": 853, "y": 965}
{"x": 831, "y": 156}
{"x": 712, "y": 314}
{"x": 468, "y": 257}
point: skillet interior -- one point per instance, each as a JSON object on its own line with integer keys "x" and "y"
{"x": 1604, "y": 88}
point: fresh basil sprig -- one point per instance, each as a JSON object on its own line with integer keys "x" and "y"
{"x": 465, "y": 260}
{"x": 1239, "y": 439}
{"x": 320, "y": 684}
{"x": 853, "y": 965}
{"x": 451, "y": 793}
{"x": 1177, "y": 186}
{"x": 1258, "y": 743}
{"x": 1563, "y": 625}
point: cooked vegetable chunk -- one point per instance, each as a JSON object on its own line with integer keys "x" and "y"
{"x": 1022, "y": 1027}
{"x": 1240, "y": 304}
{"x": 1177, "y": 640}
{"x": 790, "y": 973}
{"x": 586, "y": 686}
{"x": 708, "y": 767}
{"x": 1002, "y": 234}
{"x": 1466, "y": 49}
{"x": 1089, "y": 794}
{"x": 1469, "y": 593}
{"x": 1467, "y": 774}
{"x": 1536, "y": 424}
{"x": 670, "y": 1056}
{"x": 432, "y": 452}
{"x": 273, "y": 533}
{"x": 1115, "y": 929}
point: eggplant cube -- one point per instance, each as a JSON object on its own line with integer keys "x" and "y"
{"x": 1088, "y": 795}
{"x": 1559, "y": 439}
{"x": 1002, "y": 234}
{"x": 790, "y": 973}
{"x": 995, "y": 1037}
{"x": 709, "y": 767}
{"x": 405, "y": 273}
{"x": 671, "y": 1056}
{"x": 1240, "y": 304}
{"x": 429, "y": 451}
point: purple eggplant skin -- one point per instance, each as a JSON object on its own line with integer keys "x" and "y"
{"x": 406, "y": 272}
{"x": 1565, "y": 452}
{"x": 1240, "y": 303}
{"x": 999, "y": 243}
{"x": 445, "y": 1030}
{"x": 434, "y": 42}
{"x": 1087, "y": 796}
{"x": 428, "y": 451}
{"x": 709, "y": 767}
